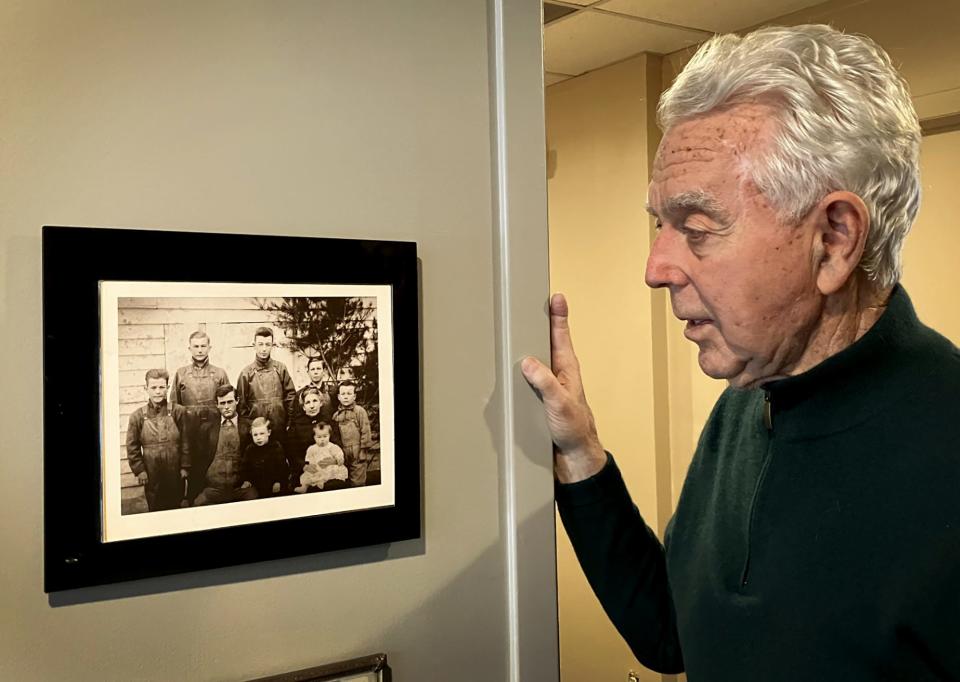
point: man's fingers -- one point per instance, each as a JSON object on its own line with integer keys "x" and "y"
{"x": 562, "y": 356}
{"x": 539, "y": 376}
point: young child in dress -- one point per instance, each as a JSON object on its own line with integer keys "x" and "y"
{"x": 324, "y": 461}
{"x": 263, "y": 460}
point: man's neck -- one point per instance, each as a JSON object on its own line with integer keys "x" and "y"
{"x": 846, "y": 316}
{"x": 201, "y": 364}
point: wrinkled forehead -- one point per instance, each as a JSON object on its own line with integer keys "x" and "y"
{"x": 733, "y": 133}
{"x": 709, "y": 157}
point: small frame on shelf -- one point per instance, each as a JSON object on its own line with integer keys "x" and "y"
{"x": 365, "y": 669}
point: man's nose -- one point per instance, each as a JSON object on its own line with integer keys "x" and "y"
{"x": 663, "y": 269}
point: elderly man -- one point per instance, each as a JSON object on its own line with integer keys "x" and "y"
{"x": 817, "y": 536}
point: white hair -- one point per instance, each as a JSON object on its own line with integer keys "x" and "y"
{"x": 845, "y": 122}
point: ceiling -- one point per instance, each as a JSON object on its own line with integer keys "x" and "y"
{"x": 920, "y": 36}
{"x": 591, "y": 34}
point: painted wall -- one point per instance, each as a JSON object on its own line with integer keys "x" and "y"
{"x": 599, "y": 240}
{"x": 336, "y": 119}
{"x": 932, "y": 249}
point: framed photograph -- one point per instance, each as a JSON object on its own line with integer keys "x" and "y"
{"x": 365, "y": 669}
{"x": 212, "y": 399}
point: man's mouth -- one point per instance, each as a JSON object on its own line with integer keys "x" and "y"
{"x": 697, "y": 322}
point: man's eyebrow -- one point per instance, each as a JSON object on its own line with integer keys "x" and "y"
{"x": 694, "y": 201}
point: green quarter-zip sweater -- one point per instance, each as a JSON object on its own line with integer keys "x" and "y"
{"x": 817, "y": 536}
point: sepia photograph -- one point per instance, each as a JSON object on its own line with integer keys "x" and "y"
{"x": 225, "y": 404}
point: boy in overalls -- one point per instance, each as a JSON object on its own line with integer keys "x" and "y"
{"x": 194, "y": 386}
{"x": 264, "y": 388}
{"x": 158, "y": 450}
{"x": 354, "y": 432}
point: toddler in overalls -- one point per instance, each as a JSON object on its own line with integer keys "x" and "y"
{"x": 324, "y": 461}
{"x": 157, "y": 447}
{"x": 354, "y": 433}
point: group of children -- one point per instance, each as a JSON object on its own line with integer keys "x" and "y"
{"x": 202, "y": 441}
{"x": 266, "y": 468}
{"x": 267, "y": 464}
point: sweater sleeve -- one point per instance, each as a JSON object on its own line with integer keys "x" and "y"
{"x": 625, "y": 565}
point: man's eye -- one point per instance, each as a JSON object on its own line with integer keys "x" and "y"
{"x": 659, "y": 225}
{"x": 694, "y": 236}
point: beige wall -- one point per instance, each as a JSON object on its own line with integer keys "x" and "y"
{"x": 932, "y": 252}
{"x": 601, "y": 144}
{"x": 338, "y": 119}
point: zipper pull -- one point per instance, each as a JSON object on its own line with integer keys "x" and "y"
{"x": 767, "y": 411}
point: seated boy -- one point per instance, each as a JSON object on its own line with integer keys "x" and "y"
{"x": 263, "y": 460}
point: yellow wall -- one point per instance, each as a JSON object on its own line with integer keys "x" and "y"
{"x": 932, "y": 252}
{"x": 599, "y": 240}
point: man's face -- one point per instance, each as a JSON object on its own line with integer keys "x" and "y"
{"x": 321, "y": 438}
{"x": 260, "y": 435}
{"x": 262, "y": 345}
{"x": 156, "y": 390}
{"x": 199, "y": 348}
{"x": 315, "y": 370}
{"x": 744, "y": 283}
{"x": 227, "y": 405}
{"x": 347, "y": 396}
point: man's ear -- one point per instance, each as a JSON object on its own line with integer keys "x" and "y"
{"x": 843, "y": 227}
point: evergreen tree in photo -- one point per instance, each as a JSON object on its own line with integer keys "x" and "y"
{"x": 342, "y": 331}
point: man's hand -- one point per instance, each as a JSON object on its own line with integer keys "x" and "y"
{"x": 142, "y": 478}
{"x": 276, "y": 487}
{"x": 245, "y": 485}
{"x": 577, "y": 450}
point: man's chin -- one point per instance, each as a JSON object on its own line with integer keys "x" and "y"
{"x": 724, "y": 369}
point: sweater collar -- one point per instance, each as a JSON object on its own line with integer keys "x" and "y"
{"x": 851, "y": 386}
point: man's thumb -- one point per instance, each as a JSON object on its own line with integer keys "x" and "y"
{"x": 538, "y": 375}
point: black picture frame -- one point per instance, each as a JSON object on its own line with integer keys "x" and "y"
{"x": 75, "y": 261}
